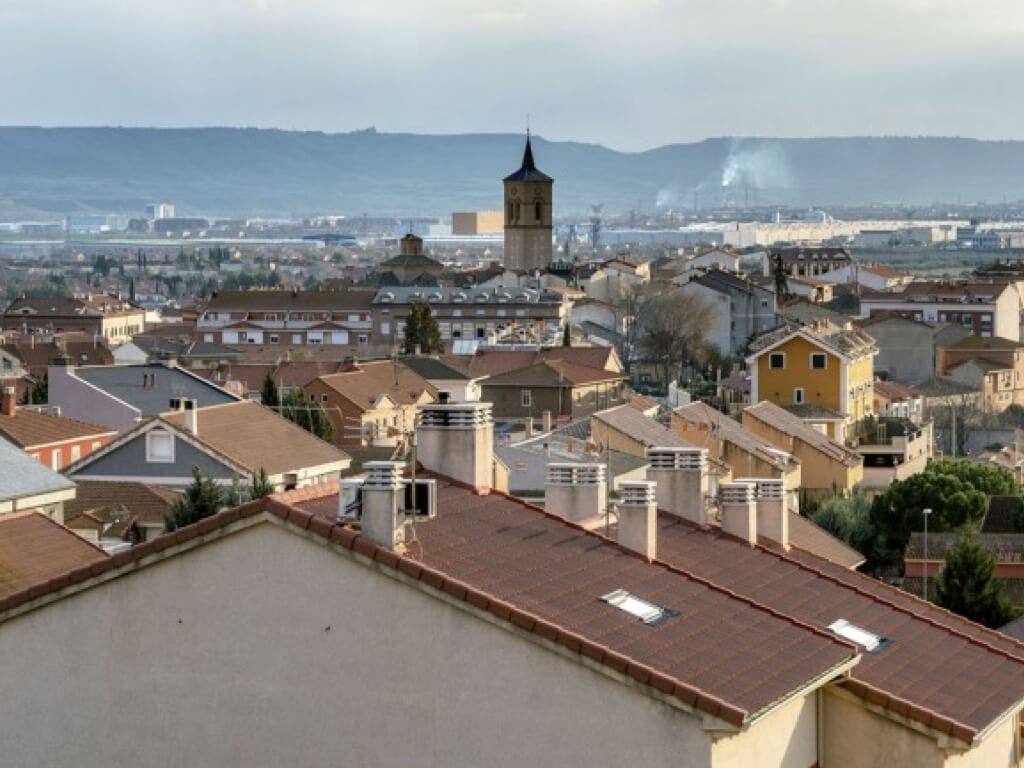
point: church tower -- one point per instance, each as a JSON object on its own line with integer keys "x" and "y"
{"x": 528, "y": 216}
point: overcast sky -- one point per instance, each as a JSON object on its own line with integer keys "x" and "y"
{"x": 630, "y": 74}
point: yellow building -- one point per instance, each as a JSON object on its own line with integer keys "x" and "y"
{"x": 823, "y": 373}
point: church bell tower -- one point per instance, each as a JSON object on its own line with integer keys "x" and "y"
{"x": 528, "y": 199}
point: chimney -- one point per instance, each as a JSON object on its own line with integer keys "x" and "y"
{"x": 7, "y": 401}
{"x": 638, "y": 517}
{"x": 171, "y": 361}
{"x": 681, "y": 475}
{"x": 575, "y": 491}
{"x": 738, "y": 511}
{"x": 772, "y": 515}
{"x": 546, "y": 421}
{"x": 457, "y": 440}
{"x": 191, "y": 409}
{"x": 383, "y": 521}
{"x": 528, "y": 426}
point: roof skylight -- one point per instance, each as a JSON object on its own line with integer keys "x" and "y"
{"x": 648, "y": 613}
{"x": 869, "y": 640}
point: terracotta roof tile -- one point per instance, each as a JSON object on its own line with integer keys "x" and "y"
{"x": 254, "y": 436}
{"x": 28, "y": 428}
{"x": 36, "y": 552}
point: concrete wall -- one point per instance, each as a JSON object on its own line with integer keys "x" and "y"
{"x": 787, "y": 738}
{"x": 855, "y": 737}
{"x": 267, "y": 649}
{"x": 80, "y": 400}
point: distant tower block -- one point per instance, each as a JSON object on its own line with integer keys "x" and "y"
{"x": 528, "y": 209}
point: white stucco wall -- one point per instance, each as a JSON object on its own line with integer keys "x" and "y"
{"x": 267, "y": 649}
{"x": 786, "y": 738}
{"x": 858, "y": 738}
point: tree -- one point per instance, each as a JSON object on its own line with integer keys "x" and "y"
{"x": 955, "y": 491}
{"x": 199, "y": 500}
{"x": 849, "y": 519}
{"x": 422, "y": 332}
{"x": 37, "y": 394}
{"x": 966, "y": 586}
{"x": 269, "y": 395}
{"x": 260, "y": 485}
{"x": 310, "y": 416}
{"x": 566, "y": 336}
{"x": 674, "y": 328}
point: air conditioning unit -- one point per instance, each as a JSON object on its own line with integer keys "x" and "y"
{"x": 420, "y": 498}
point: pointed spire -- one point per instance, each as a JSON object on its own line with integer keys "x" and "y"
{"x": 528, "y": 154}
{"x": 528, "y": 170}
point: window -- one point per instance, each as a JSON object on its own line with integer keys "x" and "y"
{"x": 296, "y": 338}
{"x": 798, "y": 395}
{"x": 55, "y": 459}
{"x": 764, "y": 303}
{"x": 363, "y": 338}
{"x": 777, "y": 360}
{"x": 159, "y": 447}
{"x": 76, "y": 452}
{"x": 95, "y": 445}
{"x": 208, "y": 338}
{"x": 869, "y": 640}
{"x": 648, "y": 613}
{"x": 525, "y": 398}
{"x": 323, "y": 397}
{"x": 274, "y": 338}
{"x": 818, "y": 361}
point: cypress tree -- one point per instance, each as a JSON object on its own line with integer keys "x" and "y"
{"x": 200, "y": 499}
{"x": 966, "y": 586}
{"x": 422, "y": 331}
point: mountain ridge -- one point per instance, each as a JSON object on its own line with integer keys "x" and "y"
{"x": 223, "y": 171}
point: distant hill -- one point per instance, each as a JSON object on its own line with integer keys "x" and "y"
{"x": 46, "y": 172}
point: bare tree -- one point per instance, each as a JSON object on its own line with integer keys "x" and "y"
{"x": 673, "y": 328}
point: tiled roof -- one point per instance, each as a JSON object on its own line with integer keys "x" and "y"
{"x": 253, "y": 436}
{"x": 802, "y": 254}
{"x": 939, "y": 669}
{"x": 92, "y": 305}
{"x": 852, "y": 342}
{"x": 28, "y": 428}
{"x": 364, "y": 384}
{"x": 39, "y": 356}
{"x": 1005, "y": 547}
{"x": 34, "y": 549}
{"x": 751, "y": 623}
{"x": 125, "y": 383}
{"x": 883, "y": 271}
{"x": 807, "y": 535}
{"x": 786, "y": 422}
{"x": 925, "y": 291}
{"x": 629, "y": 421}
{"x": 553, "y": 373}
{"x": 493, "y": 362}
{"x": 142, "y": 503}
{"x": 21, "y": 475}
{"x": 436, "y": 368}
{"x": 895, "y": 390}
{"x": 979, "y": 343}
{"x": 722, "y": 427}
{"x": 295, "y": 301}
{"x": 937, "y": 386}
{"x": 547, "y": 576}
{"x": 813, "y": 412}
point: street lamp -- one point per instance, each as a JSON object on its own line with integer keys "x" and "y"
{"x": 926, "y": 512}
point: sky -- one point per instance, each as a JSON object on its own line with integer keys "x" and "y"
{"x": 629, "y": 74}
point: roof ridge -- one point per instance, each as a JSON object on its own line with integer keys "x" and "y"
{"x": 901, "y": 609}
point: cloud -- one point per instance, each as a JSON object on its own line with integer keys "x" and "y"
{"x": 629, "y": 73}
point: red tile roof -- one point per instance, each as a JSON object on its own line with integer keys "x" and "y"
{"x": 28, "y": 428}
{"x": 940, "y": 669}
{"x": 751, "y": 623}
{"x": 34, "y": 550}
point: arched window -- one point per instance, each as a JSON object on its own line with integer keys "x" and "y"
{"x": 515, "y": 211}
{"x": 509, "y": 214}
{"x": 538, "y": 209}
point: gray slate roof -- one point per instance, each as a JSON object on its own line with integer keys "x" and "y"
{"x": 21, "y": 475}
{"x": 125, "y": 382}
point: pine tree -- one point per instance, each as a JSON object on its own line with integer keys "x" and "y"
{"x": 269, "y": 395}
{"x": 422, "y": 331}
{"x": 310, "y": 416}
{"x": 201, "y": 499}
{"x": 966, "y": 586}
{"x": 260, "y": 485}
